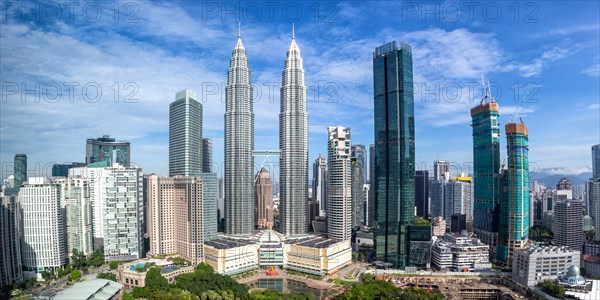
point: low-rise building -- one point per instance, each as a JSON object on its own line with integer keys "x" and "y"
{"x": 364, "y": 238}
{"x": 591, "y": 248}
{"x": 310, "y": 254}
{"x": 100, "y": 289}
{"x": 439, "y": 226}
{"x": 134, "y": 273}
{"x": 458, "y": 253}
{"x": 534, "y": 264}
{"x": 317, "y": 255}
{"x": 230, "y": 256}
{"x": 591, "y": 265}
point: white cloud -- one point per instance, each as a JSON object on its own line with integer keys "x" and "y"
{"x": 575, "y": 29}
{"x": 539, "y": 64}
{"x": 575, "y": 170}
{"x": 594, "y": 106}
{"x": 593, "y": 70}
{"x": 456, "y": 54}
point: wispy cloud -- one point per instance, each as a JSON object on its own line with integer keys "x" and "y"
{"x": 593, "y": 70}
{"x": 539, "y": 64}
{"x": 568, "y": 170}
{"x": 568, "y": 30}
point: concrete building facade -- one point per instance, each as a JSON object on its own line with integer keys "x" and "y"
{"x": 44, "y": 240}
{"x": 339, "y": 181}
{"x": 533, "y": 265}
{"x": 11, "y": 272}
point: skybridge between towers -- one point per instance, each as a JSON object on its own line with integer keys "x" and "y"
{"x": 267, "y": 154}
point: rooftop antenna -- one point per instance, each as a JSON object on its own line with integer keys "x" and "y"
{"x": 293, "y": 36}
{"x": 485, "y": 94}
{"x": 490, "y": 91}
{"x": 519, "y": 110}
{"x": 239, "y": 30}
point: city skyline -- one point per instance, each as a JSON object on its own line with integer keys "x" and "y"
{"x": 340, "y": 54}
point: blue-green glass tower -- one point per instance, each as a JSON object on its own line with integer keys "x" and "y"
{"x": 19, "y": 173}
{"x": 486, "y": 170}
{"x": 394, "y": 152}
{"x": 514, "y": 207}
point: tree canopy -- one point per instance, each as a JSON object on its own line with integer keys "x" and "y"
{"x": 374, "y": 290}
{"x": 552, "y": 288}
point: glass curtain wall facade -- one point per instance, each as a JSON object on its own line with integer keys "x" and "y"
{"x": 394, "y": 152}
{"x": 486, "y": 167}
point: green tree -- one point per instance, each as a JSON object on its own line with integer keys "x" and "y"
{"x": 78, "y": 259}
{"x": 368, "y": 278}
{"x": 420, "y": 221}
{"x": 552, "y": 288}
{"x": 204, "y": 279}
{"x": 75, "y": 275}
{"x": 139, "y": 292}
{"x": 47, "y": 275}
{"x": 128, "y": 296}
{"x": 155, "y": 281}
{"x": 97, "y": 258}
{"x": 29, "y": 283}
{"x": 179, "y": 261}
{"x": 385, "y": 290}
{"x": 113, "y": 265}
{"x": 107, "y": 275}
{"x": 205, "y": 268}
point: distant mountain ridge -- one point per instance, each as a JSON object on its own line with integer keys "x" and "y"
{"x": 550, "y": 180}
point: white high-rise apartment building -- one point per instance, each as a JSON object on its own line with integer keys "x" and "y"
{"x": 75, "y": 199}
{"x": 44, "y": 240}
{"x": 339, "y": 180}
{"x": 124, "y": 213}
{"x": 117, "y": 209}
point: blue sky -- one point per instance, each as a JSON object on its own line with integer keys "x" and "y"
{"x": 542, "y": 59}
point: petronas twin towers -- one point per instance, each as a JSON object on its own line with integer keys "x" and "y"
{"x": 239, "y": 144}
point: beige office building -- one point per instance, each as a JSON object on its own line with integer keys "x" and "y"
{"x": 263, "y": 195}
{"x": 180, "y": 217}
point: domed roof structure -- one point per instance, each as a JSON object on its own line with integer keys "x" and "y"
{"x": 572, "y": 278}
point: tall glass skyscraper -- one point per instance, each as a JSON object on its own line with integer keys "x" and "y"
{"x": 293, "y": 142}
{"x": 185, "y": 134}
{"x": 596, "y": 161}
{"x": 486, "y": 167}
{"x": 207, "y": 160}
{"x": 371, "y": 206}
{"x": 239, "y": 143}
{"x": 394, "y": 151}
{"x": 107, "y": 149}
{"x": 359, "y": 179}
{"x": 319, "y": 184}
{"x": 422, "y": 193}
{"x": 19, "y": 174}
{"x": 514, "y": 209}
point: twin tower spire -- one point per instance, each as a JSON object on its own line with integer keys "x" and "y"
{"x": 239, "y": 144}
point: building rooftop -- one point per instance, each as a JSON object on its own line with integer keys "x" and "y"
{"x": 132, "y": 266}
{"x": 591, "y": 258}
{"x": 313, "y": 242}
{"x": 224, "y": 242}
{"x": 93, "y": 289}
{"x": 484, "y": 107}
{"x": 591, "y": 293}
{"x": 547, "y": 249}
